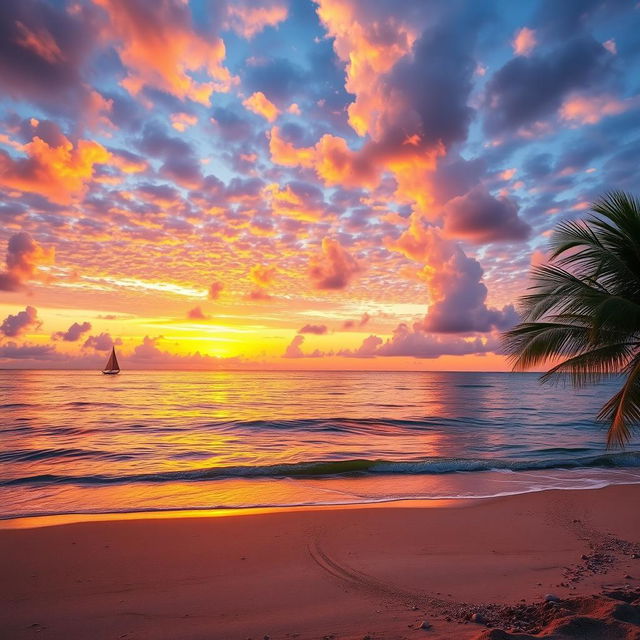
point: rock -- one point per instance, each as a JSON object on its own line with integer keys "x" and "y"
{"x": 478, "y": 618}
{"x": 425, "y": 624}
{"x": 550, "y": 597}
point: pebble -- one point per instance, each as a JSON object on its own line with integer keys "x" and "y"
{"x": 425, "y": 625}
{"x": 550, "y": 597}
{"x": 478, "y": 618}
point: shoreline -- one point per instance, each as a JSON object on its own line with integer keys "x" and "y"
{"x": 39, "y": 520}
{"x": 233, "y": 494}
{"x": 390, "y": 566}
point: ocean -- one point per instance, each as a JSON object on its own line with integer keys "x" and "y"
{"x": 74, "y": 442}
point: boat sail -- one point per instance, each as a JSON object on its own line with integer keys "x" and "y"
{"x": 112, "y": 367}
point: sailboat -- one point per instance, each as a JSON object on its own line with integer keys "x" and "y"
{"x": 112, "y": 367}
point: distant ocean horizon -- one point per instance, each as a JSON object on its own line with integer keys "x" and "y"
{"x": 74, "y": 441}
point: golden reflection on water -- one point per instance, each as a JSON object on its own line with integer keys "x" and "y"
{"x": 146, "y": 440}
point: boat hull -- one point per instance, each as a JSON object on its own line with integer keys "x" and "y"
{"x": 111, "y": 373}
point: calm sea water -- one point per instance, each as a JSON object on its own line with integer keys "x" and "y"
{"x": 77, "y": 442}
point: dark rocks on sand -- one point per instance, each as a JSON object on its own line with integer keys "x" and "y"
{"x": 550, "y": 597}
{"x": 425, "y": 624}
{"x": 478, "y": 618}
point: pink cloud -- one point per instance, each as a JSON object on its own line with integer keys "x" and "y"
{"x": 73, "y": 333}
{"x": 248, "y": 18}
{"x": 294, "y": 350}
{"x": 580, "y": 110}
{"x": 19, "y": 323}
{"x": 524, "y": 41}
{"x": 215, "y": 290}
{"x": 334, "y": 268}
{"x": 101, "y": 342}
{"x": 316, "y": 329}
{"x": 197, "y": 314}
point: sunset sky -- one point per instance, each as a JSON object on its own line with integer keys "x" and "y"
{"x": 297, "y": 184}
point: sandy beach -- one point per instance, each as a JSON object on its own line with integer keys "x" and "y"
{"x": 368, "y": 571}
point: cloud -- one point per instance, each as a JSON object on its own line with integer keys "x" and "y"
{"x": 524, "y": 41}
{"x": 73, "y": 333}
{"x": 457, "y": 295}
{"x": 43, "y": 48}
{"x": 24, "y": 255}
{"x": 415, "y": 343}
{"x": 160, "y": 48}
{"x": 59, "y": 172}
{"x": 316, "y": 329}
{"x": 261, "y": 105}
{"x": 197, "y": 314}
{"x": 215, "y": 290}
{"x": 479, "y": 217}
{"x": 149, "y": 354}
{"x": 247, "y": 18}
{"x": 101, "y": 342}
{"x": 180, "y": 161}
{"x": 583, "y": 109}
{"x": 527, "y": 90}
{"x": 13, "y": 351}
{"x": 352, "y": 324}
{"x": 258, "y": 294}
{"x": 262, "y": 275}
{"x": 181, "y": 121}
{"x": 279, "y": 79}
{"x": 334, "y": 268}
{"x": 410, "y": 69}
{"x": 368, "y": 348}
{"x": 294, "y": 350}
{"x": 21, "y": 322}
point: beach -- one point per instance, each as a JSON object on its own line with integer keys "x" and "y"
{"x": 332, "y": 572}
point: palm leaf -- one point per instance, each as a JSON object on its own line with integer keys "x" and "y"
{"x": 582, "y": 312}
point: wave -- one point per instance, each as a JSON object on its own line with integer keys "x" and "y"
{"x": 327, "y": 468}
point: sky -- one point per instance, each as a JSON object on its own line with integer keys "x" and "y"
{"x": 297, "y": 184}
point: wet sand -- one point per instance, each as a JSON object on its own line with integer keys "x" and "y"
{"x": 376, "y": 571}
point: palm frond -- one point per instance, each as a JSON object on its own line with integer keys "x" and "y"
{"x": 582, "y": 312}
{"x": 623, "y": 410}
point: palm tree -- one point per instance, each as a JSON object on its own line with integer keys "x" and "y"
{"x": 583, "y": 313}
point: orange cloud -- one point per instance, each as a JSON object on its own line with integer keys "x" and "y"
{"x": 161, "y": 49}
{"x": 59, "y": 173}
{"x": 581, "y": 110}
{"x": 286, "y": 202}
{"x": 524, "y": 41}
{"x": 284, "y": 153}
{"x": 260, "y": 104}
{"x": 24, "y": 256}
{"x": 367, "y": 56}
{"x": 262, "y": 275}
{"x": 180, "y": 121}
